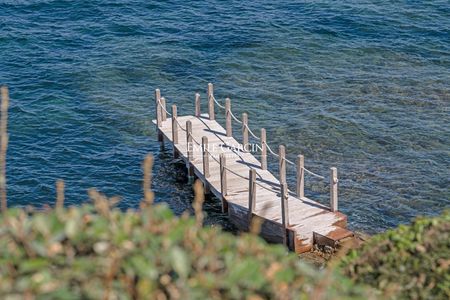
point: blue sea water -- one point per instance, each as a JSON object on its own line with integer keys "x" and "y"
{"x": 360, "y": 85}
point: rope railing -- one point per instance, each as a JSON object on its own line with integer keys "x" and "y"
{"x": 267, "y": 145}
{"x": 270, "y": 150}
{"x": 240, "y": 176}
{"x": 281, "y": 155}
{"x": 292, "y": 163}
{"x": 195, "y": 140}
{"x": 162, "y": 106}
{"x": 289, "y": 162}
{"x": 251, "y": 132}
{"x": 264, "y": 187}
{"x": 181, "y": 127}
{"x": 314, "y": 174}
{"x": 217, "y": 102}
{"x": 234, "y": 117}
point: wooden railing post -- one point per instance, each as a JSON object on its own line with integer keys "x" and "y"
{"x": 189, "y": 141}
{"x": 163, "y": 109}
{"x": 300, "y": 176}
{"x": 223, "y": 180}
{"x": 282, "y": 163}
{"x": 251, "y": 194}
{"x": 174, "y": 125}
{"x": 174, "y": 130}
{"x": 197, "y": 105}
{"x": 205, "y": 156}
{"x": 284, "y": 211}
{"x": 159, "y": 117}
{"x": 190, "y": 150}
{"x": 245, "y": 131}
{"x": 158, "y": 108}
{"x": 333, "y": 189}
{"x": 228, "y": 117}
{"x": 263, "y": 149}
{"x": 211, "y": 101}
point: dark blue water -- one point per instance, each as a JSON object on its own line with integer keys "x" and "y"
{"x": 364, "y": 87}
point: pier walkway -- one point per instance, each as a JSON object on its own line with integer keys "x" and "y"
{"x": 246, "y": 189}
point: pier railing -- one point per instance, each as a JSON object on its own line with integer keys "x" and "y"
{"x": 161, "y": 116}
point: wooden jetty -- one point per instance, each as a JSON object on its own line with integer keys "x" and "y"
{"x": 246, "y": 189}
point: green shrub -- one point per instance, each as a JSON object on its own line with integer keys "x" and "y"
{"x": 93, "y": 252}
{"x": 410, "y": 262}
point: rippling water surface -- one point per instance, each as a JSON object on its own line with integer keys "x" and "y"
{"x": 364, "y": 87}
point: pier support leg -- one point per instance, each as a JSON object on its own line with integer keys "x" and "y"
{"x": 251, "y": 196}
{"x": 191, "y": 175}
{"x": 161, "y": 139}
{"x": 284, "y": 213}
{"x": 223, "y": 182}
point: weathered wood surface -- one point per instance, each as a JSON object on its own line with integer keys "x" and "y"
{"x": 305, "y": 220}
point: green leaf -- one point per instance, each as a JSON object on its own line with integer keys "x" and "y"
{"x": 180, "y": 261}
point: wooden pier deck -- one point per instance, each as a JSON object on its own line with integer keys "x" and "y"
{"x": 230, "y": 171}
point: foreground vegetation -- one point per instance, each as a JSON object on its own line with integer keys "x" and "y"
{"x": 95, "y": 252}
{"x": 99, "y": 252}
{"x": 410, "y": 262}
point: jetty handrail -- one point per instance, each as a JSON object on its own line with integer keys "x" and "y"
{"x": 251, "y": 132}
{"x": 218, "y": 161}
{"x": 234, "y": 117}
{"x": 217, "y": 102}
{"x": 239, "y": 175}
{"x": 313, "y": 174}
{"x": 265, "y": 142}
{"x": 161, "y": 115}
{"x": 163, "y": 106}
{"x": 179, "y": 124}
